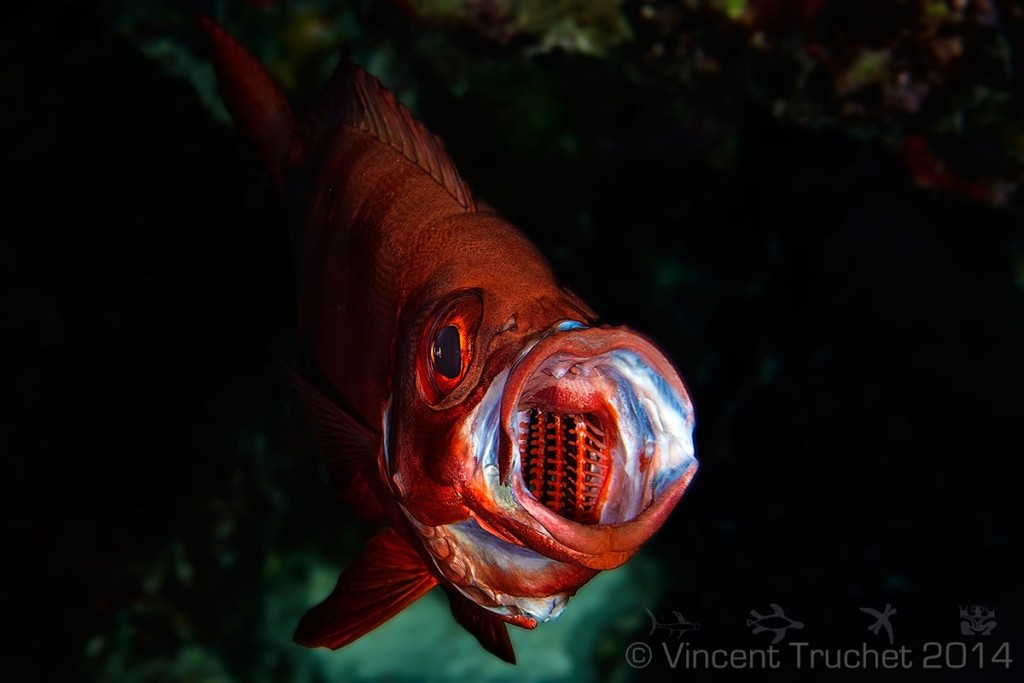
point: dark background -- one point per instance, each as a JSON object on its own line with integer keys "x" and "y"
{"x": 853, "y": 343}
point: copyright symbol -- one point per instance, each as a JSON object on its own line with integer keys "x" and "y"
{"x": 638, "y": 655}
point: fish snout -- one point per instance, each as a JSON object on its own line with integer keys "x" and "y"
{"x": 599, "y": 448}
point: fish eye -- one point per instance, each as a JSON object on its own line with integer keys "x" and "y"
{"x": 447, "y": 352}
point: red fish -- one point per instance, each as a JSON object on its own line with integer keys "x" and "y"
{"x": 509, "y": 447}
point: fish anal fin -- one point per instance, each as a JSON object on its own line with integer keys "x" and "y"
{"x": 386, "y": 577}
{"x": 347, "y": 445}
{"x": 258, "y": 107}
{"x": 488, "y": 628}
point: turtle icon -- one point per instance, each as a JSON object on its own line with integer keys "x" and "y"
{"x": 776, "y": 622}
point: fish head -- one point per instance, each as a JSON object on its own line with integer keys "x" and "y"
{"x": 453, "y": 345}
{"x": 529, "y": 438}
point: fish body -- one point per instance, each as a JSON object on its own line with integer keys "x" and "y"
{"x": 509, "y": 447}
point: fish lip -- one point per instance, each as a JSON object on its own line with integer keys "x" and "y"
{"x": 598, "y": 545}
{"x": 583, "y": 343}
{"x": 618, "y": 540}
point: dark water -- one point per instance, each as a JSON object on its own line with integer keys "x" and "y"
{"x": 853, "y": 344}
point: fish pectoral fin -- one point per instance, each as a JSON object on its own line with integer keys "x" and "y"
{"x": 387, "y": 577}
{"x": 348, "y": 447}
{"x": 347, "y": 444}
{"x": 488, "y": 628}
{"x": 361, "y": 498}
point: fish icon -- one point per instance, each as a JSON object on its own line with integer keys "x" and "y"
{"x": 507, "y": 444}
{"x": 678, "y": 628}
{"x": 776, "y": 622}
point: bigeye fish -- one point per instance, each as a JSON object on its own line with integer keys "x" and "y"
{"x": 508, "y": 445}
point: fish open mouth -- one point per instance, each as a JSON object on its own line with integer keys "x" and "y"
{"x": 583, "y": 445}
{"x": 601, "y": 425}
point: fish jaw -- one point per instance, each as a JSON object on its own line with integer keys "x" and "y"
{"x": 484, "y": 564}
{"x": 616, "y": 489}
{"x": 510, "y": 580}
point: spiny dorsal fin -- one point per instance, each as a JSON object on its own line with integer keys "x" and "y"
{"x": 358, "y": 99}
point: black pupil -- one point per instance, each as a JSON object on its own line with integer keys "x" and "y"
{"x": 448, "y": 352}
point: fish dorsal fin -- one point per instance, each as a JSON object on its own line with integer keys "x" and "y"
{"x": 356, "y": 98}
